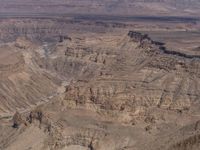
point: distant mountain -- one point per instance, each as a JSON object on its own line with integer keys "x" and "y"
{"x": 112, "y": 7}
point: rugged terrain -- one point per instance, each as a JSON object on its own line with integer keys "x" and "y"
{"x": 99, "y": 85}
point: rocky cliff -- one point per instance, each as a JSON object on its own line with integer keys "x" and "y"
{"x": 101, "y": 91}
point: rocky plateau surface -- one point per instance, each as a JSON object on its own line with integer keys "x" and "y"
{"x": 97, "y": 91}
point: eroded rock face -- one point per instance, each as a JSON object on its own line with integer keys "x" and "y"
{"x": 138, "y": 37}
{"x": 144, "y": 77}
{"x": 107, "y": 92}
{"x": 17, "y": 120}
{"x": 20, "y": 80}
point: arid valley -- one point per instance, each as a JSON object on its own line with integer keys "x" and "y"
{"x": 99, "y": 75}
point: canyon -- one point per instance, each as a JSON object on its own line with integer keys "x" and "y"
{"x": 108, "y": 80}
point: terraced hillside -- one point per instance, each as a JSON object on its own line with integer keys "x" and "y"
{"x": 95, "y": 90}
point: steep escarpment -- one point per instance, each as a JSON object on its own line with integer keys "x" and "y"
{"x": 99, "y": 92}
{"x": 140, "y": 75}
{"x": 129, "y": 80}
{"x": 23, "y": 84}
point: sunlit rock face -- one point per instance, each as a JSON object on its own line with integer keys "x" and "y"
{"x": 98, "y": 85}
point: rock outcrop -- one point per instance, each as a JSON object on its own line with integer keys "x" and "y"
{"x": 17, "y": 120}
{"x": 105, "y": 92}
